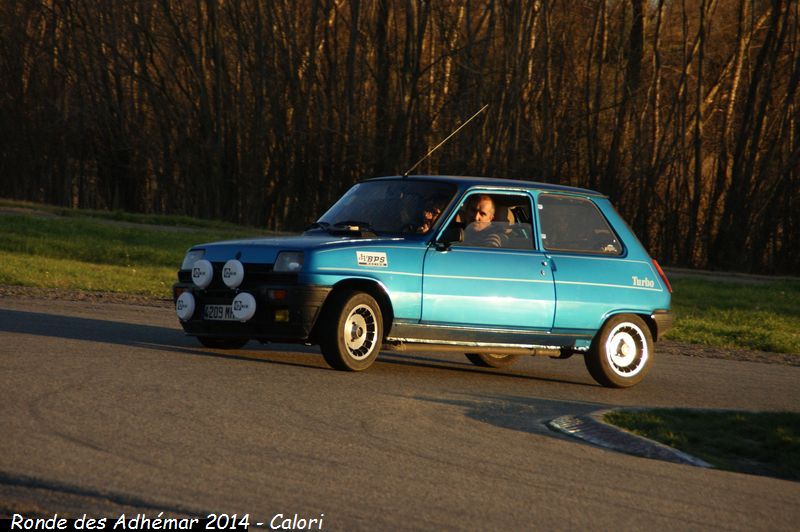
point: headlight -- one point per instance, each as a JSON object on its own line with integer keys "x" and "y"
{"x": 192, "y": 256}
{"x": 289, "y": 261}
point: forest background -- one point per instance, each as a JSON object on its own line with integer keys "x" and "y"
{"x": 684, "y": 112}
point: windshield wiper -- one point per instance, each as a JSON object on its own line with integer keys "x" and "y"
{"x": 354, "y": 225}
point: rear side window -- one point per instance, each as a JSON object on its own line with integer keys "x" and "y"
{"x": 575, "y": 225}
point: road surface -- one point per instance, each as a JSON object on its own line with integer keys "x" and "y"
{"x": 109, "y": 408}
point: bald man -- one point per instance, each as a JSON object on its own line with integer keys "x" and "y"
{"x": 480, "y": 232}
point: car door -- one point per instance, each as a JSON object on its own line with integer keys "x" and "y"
{"x": 506, "y": 287}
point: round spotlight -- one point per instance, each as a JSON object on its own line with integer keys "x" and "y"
{"x": 184, "y": 306}
{"x": 244, "y": 306}
{"x": 232, "y": 273}
{"x": 202, "y": 273}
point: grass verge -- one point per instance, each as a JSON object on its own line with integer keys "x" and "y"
{"x": 94, "y": 241}
{"x": 762, "y": 316}
{"x": 764, "y": 443}
{"x": 46, "y": 272}
{"x": 149, "y": 219}
{"x": 89, "y": 253}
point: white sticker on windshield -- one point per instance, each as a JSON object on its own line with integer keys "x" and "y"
{"x": 372, "y": 258}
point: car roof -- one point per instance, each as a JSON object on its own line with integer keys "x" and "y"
{"x": 470, "y": 181}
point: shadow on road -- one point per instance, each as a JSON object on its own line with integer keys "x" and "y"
{"x": 407, "y": 360}
{"x": 525, "y": 414}
{"x": 172, "y": 340}
{"x": 103, "y": 331}
{"x": 127, "y": 334}
{"x": 74, "y": 328}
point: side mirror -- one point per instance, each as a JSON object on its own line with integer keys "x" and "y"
{"x": 452, "y": 233}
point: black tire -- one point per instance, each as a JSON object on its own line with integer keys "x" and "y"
{"x": 490, "y": 360}
{"x": 223, "y": 343}
{"x": 621, "y": 353}
{"x": 351, "y": 331}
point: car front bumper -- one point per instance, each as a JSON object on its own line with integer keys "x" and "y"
{"x": 284, "y": 313}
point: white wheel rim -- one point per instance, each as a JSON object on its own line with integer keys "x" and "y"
{"x": 360, "y": 332}
{"x": 626, "y": 350}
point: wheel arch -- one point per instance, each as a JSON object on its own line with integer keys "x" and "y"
{"x": 645, "y": 316}
{"x": 368, "y": 286}
{"x": 651, "y": 324}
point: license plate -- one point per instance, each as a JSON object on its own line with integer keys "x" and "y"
{"x": 218, "y": 313}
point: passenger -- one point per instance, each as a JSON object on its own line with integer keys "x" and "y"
{"x": 430, "y": 213}
{"x": 481, "y": 232}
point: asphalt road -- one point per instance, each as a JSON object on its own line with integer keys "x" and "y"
{"x": 109, "y": 406}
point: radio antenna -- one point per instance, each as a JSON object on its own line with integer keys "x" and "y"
{"x": 482, "y": 109}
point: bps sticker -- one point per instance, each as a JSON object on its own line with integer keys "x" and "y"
{"x": 372, "y": 258}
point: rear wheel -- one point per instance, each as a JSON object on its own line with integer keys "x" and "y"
{"x": 490, "y": 360}
{"x": 223, "y": 343}
{"x": 352, "y": 331}
{"x": 622, "y": 352}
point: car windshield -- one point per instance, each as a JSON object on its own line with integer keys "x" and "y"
{"x": 391, "y": 206}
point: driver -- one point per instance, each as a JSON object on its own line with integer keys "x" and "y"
{"x": 480, "y": 232}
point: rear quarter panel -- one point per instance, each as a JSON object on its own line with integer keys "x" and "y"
{"x": 590, "y": 288}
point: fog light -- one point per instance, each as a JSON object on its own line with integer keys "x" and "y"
{"x": 244, "y": 306}
{"x": 282, "y": 315}
{"x": 184, "y": 306}
{"x": 202, "y": 273}
{"x": 232, "y": 273}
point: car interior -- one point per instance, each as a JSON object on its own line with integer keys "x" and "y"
{"x": 512, "y": 219}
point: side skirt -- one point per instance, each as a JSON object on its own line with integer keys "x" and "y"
{"x": 422, "y": 337}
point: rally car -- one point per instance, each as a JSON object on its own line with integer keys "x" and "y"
{"x": 491, "y": 268}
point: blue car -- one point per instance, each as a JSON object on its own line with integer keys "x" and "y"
{"x": 491, "y": 268}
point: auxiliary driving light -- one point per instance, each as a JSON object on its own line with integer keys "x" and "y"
{"x": 244, "y": 306}
{"x": 232, "y": 273}
{"x": 184, "y": 306}
{"x": 202, "y": 273}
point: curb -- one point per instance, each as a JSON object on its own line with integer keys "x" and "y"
{"x": 591, "y": 428}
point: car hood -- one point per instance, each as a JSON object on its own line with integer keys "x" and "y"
{"x": 265, "y": 250}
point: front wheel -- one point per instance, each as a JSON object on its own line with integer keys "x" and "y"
{"x": 491, "y": 360}
{"x": 622, "y": 352}
{"x": 352, "y": 331}
{"x": 222, "y": 343}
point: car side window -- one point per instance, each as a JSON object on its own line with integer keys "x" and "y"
{"x": 492, "y": 221}
{"x": 575, "y": 225}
